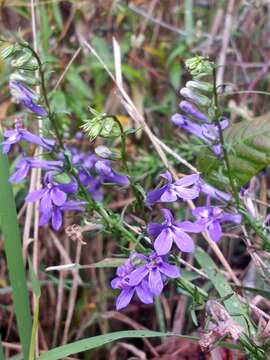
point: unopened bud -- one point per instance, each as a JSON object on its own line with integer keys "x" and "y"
{"x": 8, "y": 49}
{"x": 25, "y": 61}
{"x": 25, "y": 77}
{"x": 106, "y": 153}
{"x": 200, "y": 86}
{"x": 195, "y": 97}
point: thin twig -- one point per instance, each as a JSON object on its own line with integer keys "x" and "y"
{"x": 67, "y": 68}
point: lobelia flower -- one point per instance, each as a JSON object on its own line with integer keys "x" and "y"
{"x": 104, "y": 169}
{"x": 54, "y": 213}
{"x": 211, "y": 218}
{"x": 52, "y": 193}
{"x": 214, "y": 192}
{"x": 186, "y": 188}
{"x": 143, "y": 275}
{"x": 20, "y": 134}
{"x": 27, "y": 98}
{"x": 207, "y": 132}
{"x": 173, "y": 231}
{"x": 93, "y": 184}
{"x": 24, "y": 165}
{"x": 156, "y": 271}
{"x": 121, "y": 281}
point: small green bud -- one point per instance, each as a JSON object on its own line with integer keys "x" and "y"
{"x": 101, "y": 125}
{"x": 199, "y": 66}
{"x": 8, "y": 49}
{"x": 25, "y": 61}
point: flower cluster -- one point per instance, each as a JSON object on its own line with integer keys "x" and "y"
{"x": 143, "y": 275}
{"x": 148, "y": 277}
{"x": 57, "y": 197}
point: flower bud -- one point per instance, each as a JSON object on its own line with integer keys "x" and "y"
{"x": 8, "y": 49}
{"x": 25, "y": 61}
{"x": 199, "y": 66}
{"x": 23, "y": 76}
{"x": 195, "y": 97}
{"x": 106, "y": 153}
{"x": 200, "y": 86}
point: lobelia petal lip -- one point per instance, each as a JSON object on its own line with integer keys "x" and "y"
{"x": 163, "y": 242}
{"x": 124, "y": 298}
{"x": 137, "y": 275}
{"x": 155, "y": 282}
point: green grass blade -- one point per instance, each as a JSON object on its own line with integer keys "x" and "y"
{"x": 12, "y": 244}
{"x": 1, "y": 349}
{"x": 189, "y": 26}
{"x": 96, "y": 341}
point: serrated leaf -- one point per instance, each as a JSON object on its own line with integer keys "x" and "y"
{"x": 248, "y": 146}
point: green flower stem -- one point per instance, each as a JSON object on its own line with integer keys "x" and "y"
{"x": 257, "y": 227}
{"x": 108, "y": 218}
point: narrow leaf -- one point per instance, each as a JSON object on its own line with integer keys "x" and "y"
{"x": 12, "y": 243}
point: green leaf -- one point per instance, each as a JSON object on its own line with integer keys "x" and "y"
{"x": 224, "y": 289}
{"x": 34, "y": 280}
{"x": 248, "y": 145}
{"x": 106, "y": 263}
{"x": 13, "y": 250}
{"x": 96, "y": 341}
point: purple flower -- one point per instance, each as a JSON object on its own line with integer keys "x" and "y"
{"x": 143, "y": 275}
{"x": 104, "y": 169}
{"x": 172, "y": 231}
{"x": 24, "y": 165}
{"x": 52, "y": 194}
{"x": 93, "y": 184}
{"x": 211, "y": 218}
{"x": 156, "y": 271}
{"x": 207, "y": 132}
{"x": 191, "y": 110}
{"x": 214, "y": 192}
{"x": 186, "y": 188}
{"x": 121, "y": 281}
{"x": 27, "y": 97}
{"x": 54, "y": 213}
{"x": 20, "y": 134}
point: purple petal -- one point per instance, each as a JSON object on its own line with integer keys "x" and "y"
{"x": 183, "y": 241}
{"x": 44, "y": 218}
{"x": 167, "y": 214}
{"x": 57, "y": 218}
{"x": 73, "y": 206}
{"x": 213, "y": 192}
{"x": 189, "y": 226}
{"x": 35, "y": 195}
{"x": 58, "y": 197}
{"x": 21, "y": 173}
{"x": 188, "y": 180}
{"x": 46, "y": 202}
{"x": 215, "y": 231}
{"x": 137, "y": 275}
{"x": 187, "y": 194}
{"x": 115, "y": 283}
{"x": 154, "y": 229}
{"x": 192, "y": 110}
{"x": 168, "y": 176}
{"x": 163, "y": 242}
{"x": 168, "y": 196}
{"x": 235, "y": 218}
{"x": 69, "y": 188}
{"x": 155, "y": 195}
{"x": 155, "y": 282}
{"x": 169, "y": 270}
{"x": 144, "y": 293}
{"x": 178, "y": 119}
{"x": 124, "y": 298}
